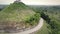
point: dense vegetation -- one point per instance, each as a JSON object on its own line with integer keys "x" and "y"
{"x": 51, "y": 14}
{"x": 18, "y": 16}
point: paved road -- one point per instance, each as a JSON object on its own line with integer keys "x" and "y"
{"x": 33, "y": 29}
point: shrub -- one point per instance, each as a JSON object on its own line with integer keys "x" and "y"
{"x": 33, "y": 19}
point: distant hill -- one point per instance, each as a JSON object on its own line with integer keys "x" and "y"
{"x": 45, "y": 7}
{"x": 2, "y": 6}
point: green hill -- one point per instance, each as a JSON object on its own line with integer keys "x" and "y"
{"x": 16, "y": 12}
{"x": 18, "y": 15}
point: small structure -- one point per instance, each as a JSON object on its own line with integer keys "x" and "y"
{"x": 18, "y": 0}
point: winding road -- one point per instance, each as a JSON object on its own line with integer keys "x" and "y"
{"x": 33, "y": 29}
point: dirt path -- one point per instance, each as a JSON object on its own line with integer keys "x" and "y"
{"x": 33, "y": 29}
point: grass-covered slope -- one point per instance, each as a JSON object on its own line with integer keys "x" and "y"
{"x": 51, "y": 14}
{"x": 16, "y": 12}
{"x": 18, "y": 15}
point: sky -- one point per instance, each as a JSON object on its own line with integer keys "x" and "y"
{"x": 33, "y": 2}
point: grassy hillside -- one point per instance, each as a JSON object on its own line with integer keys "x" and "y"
{"x": 55, "y": 21}
{"x": 18, "y": 15}
{"x": 15, "y": 10}
{"x": 51, "y": 14}
{"x": 44, "y": 29}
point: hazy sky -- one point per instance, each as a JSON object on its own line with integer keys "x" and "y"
{"x": 34, "y": 2}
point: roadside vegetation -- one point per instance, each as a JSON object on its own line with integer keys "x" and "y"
{"x": 44, "y": 29}
{"x": 51, "y": 14}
